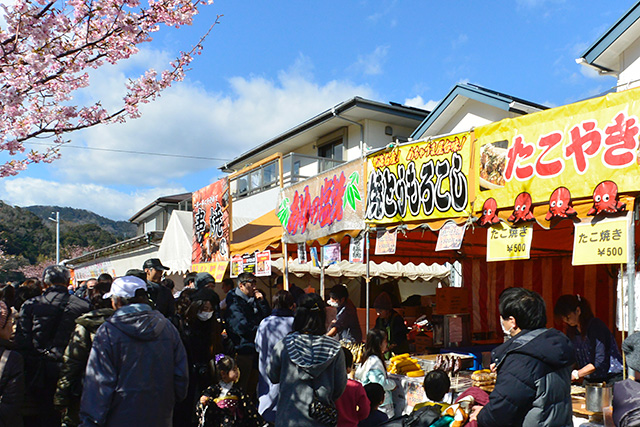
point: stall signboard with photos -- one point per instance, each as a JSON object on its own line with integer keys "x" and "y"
{"x": 328, "y": 203}
{"x": 421, "y": 180}
{"x": 549, "y": 159}
{"x": 211, "y": 218}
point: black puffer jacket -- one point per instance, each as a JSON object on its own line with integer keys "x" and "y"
{"x": 243, "y": 318}
{"x": 11, "y": 387}
{"x": 162, "y": 298}
{"x": 533, "y": 387}
{"x": 44, "y": 327}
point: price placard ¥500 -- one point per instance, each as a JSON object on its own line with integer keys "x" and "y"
{"x": 506, "y": 243}
{"x": 602, "y": 242}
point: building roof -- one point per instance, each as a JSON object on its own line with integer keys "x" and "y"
{"x": 451, "y": 103}
{"x": 604, "y": 53}
{"x": 164, "y": 200}
{"x": 355, "y": 109}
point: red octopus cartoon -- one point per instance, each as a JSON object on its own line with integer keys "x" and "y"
{"x": 560, "y": 204}
{"x": 489, "y": 215}
{"x": 522, "y": 209}
{"x": 605, "y": 199}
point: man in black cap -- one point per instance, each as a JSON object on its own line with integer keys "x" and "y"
{"x": 160, "y": 295}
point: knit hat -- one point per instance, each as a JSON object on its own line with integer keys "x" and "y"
{"x": 631, "y": 348}
{"x": 383, "y": 302}
{"x": 4, "y": 314}
{"x": 203, "y": 279}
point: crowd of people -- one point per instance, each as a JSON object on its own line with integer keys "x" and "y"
{"x": 132, "y": 351}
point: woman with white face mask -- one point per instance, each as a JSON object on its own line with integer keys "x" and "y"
{"x": 202, "y": 337}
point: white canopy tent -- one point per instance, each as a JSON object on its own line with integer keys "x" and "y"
{"x": 176, "y": 246}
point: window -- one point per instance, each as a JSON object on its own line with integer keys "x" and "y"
{"x": 332, "y": 146}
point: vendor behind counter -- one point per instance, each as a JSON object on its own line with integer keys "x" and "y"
{"x": 392, "y": 324}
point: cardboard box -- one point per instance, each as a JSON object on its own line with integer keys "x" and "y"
{"x": 423, "y": 342}
{"x": 452, "y": 301}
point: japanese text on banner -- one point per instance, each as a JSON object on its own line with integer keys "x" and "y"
{"x": 506, "y": 243}
{"x": 603, "y": 242}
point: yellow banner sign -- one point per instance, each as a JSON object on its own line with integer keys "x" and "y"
{"x": 216, "y": 269}
{"x": 602, "y": 242}
{"x": 551, "y": 157}
{"x": 506, "y": 243}
{"x": 425, "y": 179}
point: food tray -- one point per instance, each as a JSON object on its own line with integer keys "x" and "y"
{"x": 428, "y": 361}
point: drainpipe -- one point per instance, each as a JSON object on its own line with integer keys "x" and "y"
{"x": 333, "y": 111}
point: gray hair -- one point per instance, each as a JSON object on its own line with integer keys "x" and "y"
{"x": 56, "y": 275}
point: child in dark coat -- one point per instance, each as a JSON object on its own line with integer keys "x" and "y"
{"x": 225, "y": 404}
{"x": 375, "y": 393}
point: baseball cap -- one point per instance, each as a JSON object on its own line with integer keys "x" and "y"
{"x": 155, "y": 264}
{"x": 125, "y": 287}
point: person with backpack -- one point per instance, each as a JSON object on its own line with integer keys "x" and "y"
{"x": 45, "y": 324}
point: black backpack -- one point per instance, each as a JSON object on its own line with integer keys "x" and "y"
{"x": 422, "y": 417}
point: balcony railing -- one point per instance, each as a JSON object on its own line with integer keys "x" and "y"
{"x": 295, "y": 168}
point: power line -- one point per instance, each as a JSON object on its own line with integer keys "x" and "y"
{"x": 114, "y": 150}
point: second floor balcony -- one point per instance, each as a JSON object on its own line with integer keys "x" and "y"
{"x": 267, "y": 174}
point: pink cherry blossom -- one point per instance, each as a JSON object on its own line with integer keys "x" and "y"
{"x": 46, "y": 51}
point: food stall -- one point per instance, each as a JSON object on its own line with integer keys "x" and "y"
{"x": 545, "y": 201}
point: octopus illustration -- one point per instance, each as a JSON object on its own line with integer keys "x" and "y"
{"x": 522, "y": 209}
{"x": 605, "y": 199}
{"x": 560, "y": 204}
{"x": 489, "y": 215}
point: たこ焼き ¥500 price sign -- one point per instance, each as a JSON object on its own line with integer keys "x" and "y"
{"x": 601, "y": 242}
{"x": 506, "y": 243}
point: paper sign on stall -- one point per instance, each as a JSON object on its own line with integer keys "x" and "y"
{"x": 386, "y": 242}
{"x": 356, "y": 249}
{"x": 263, "y": 263}
{"x": 450, "y": 236}
{"x": 601, "y": 242}
{"x": 331, "y": 254}
{"x": 236, "y": 266}
{"x": 505, "y": 243}
{"x": 302, "y": 253}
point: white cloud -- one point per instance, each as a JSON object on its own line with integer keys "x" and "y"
{"x": 371, "y": 64}
{"x": 188, "y": 120}
{"x": 418, "y": 102}
{"x": 96, "y": 198}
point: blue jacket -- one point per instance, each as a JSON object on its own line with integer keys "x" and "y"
{"x": 243, "y": 316}
{"x": 533, "y": 386}
{"x": 136, "y": 372}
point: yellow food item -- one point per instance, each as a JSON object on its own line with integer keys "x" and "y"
{"x": 418, "y": 373}
{"x": 399, "y": 357}
{"x": 407, "y": 362}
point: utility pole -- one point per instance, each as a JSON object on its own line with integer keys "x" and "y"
{"x": 57, "y": 221}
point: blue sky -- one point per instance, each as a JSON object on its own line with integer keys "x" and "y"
{"x": 268, "y": 66}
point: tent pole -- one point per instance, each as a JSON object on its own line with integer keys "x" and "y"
{"x": 367, "y": 278}
{"x": 286, "y": 266}
{"x": 322, "y": 273}
{"x": 631, "y": 274}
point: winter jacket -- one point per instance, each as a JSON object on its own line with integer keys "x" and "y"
{"x": 44, "y": 327}
{"x": 301, "y": 363}
{"x": 534, "y": 381}
{"x": 69, "y": 389}
{"x": 244, "y": 413}
{"x": 353, "y": 406}
{"x": 373, "y": 371}
{"x": 626, "y": 403}
{"x": 270, "y": 332}
{"x": 11, "y": 387}
{"x": 243, "y": 316}
{"x": 137, "y": 370}
{"x": 396, "y": 333}
{"x": 162, "y": 298}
